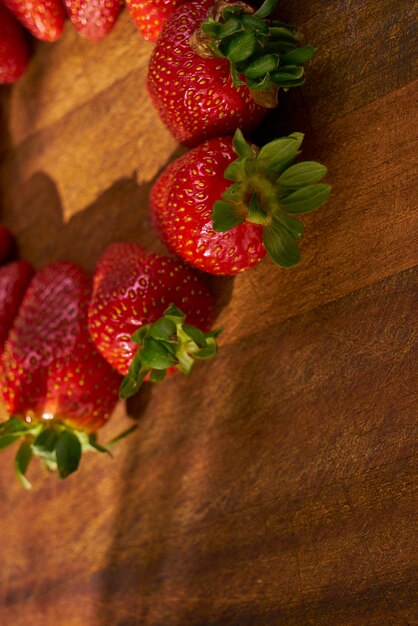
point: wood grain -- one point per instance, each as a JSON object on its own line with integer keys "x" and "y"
{"x": 276, "y": 486}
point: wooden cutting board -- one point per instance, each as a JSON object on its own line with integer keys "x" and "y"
{"x": 275, "y": 487}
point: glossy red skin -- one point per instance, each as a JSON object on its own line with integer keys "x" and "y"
{"x": 14, "y": 280}
{"x": 150, "y": 15}
{"x": 195, "y": 97}
{"x": 93, "y": 19}
{"x": 132, "y": 288}
{"x": 181, "y": 209}
{"x": 14, "y": 57}
{"x": 6, "y": 239}
{"x": 44, "y": 19}
{"x": 50, "y": 365}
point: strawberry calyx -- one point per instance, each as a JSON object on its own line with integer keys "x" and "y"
{"x": 270, "y": 190}
{"x": 264, "y": 54}
{"x": 164, "y": 345}
{"x": 56, "y": 444}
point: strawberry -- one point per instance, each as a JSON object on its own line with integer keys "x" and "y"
{"x": 55, "y": 385}
{"x": 93, "y": 19}
{"x": 225, "y": 229}
{"x": 44, "y": 19}
{"x": 14, "y": 53}
{"x": 217, "y": 67}
{"x": 14, "y": 280}
{"x": 6, "y": 239}
{"x": 129, "y": 320}
{"x": 150, "y": 15}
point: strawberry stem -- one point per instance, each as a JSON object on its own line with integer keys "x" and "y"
{"x": 167, "y": 343}
{"x": 263, "y": 53}
{"x": 56, "y": 444}
{"x": 269, "y": 189}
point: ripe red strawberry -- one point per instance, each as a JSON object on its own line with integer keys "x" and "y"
{"x": 55, "y": 385}
{"x": 14, "y": 54}
{"x": 6, "y": 239}
{"x": 150, "y": 15}
{"x": 93, "y": 19}
{"x": 14, "y": 280}
{"x": 44, "y": 19}
{"x": 132, "y": 290}
{"x": 225, "y": 229}
{"x": 218, "y": 67}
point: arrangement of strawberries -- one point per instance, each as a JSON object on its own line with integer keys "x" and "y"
{"x": 72, "y": 344}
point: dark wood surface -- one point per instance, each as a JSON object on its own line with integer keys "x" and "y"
{"x": 276, "y": 486}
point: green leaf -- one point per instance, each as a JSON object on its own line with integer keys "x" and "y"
{"x": 241, "y": 146}
{"x": 299, "y": 56}
{"x": 282, "y": 33}
{"x": 195, "y": 334}
{"x": 256, "y": 215}
{"x": 157, "y": 376}
{"x": 211, "y": 27}
{"x": 279, "y": 47}
{"x": 250, "y": 167}
{"x": 139, "y": 335}
{"x": 232, "y": 194}
{"x": 254, "y": 23}
{"x": 154, "y": 355}
{"x": 276, "y": 156}
{"x": 128, "y": 387}
{"x": 306, "y": 199}
{"x": 231, "y": 27}
{"x": 98, "y": 447}
{"x": 208, "y": 352}
{"x": 135, "y": 369}
{"x": 16, "y": 426}
{"x": 285, "y": 81}
{"x": 261, "y": 66}
{"x": 281, "y": 245}
{"x": 235, "y": 76}
{"x": 22, "y": 460}
{"x": 282, "y": 46}
{"x": 292, "y": 71}
{"x": 293, "y": 225}
{"x": 131, "y": 384}
{"x": 8, "y": 440}
{"x": 266, "y": 8}
{"x": 224, "y": 215}
{"x": 173, "y": 312}
{"x": 262, "y": 84}
{"x": 279, "y": 24}
{"x": 163, "y": 329}
{"x": 236, "y": 170}
{"x": 214, "y": 334}
{"x": 241, "y": 47}
{"x": 171, "y": 347}
{"x": 231, "y": 11}
{"x": 46, "y": 440}
{"x": 122, "y": 435}
{"x": 68, "y": 451}
{"x": 89, "y": 443}
{"x": 302, "y": 174}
